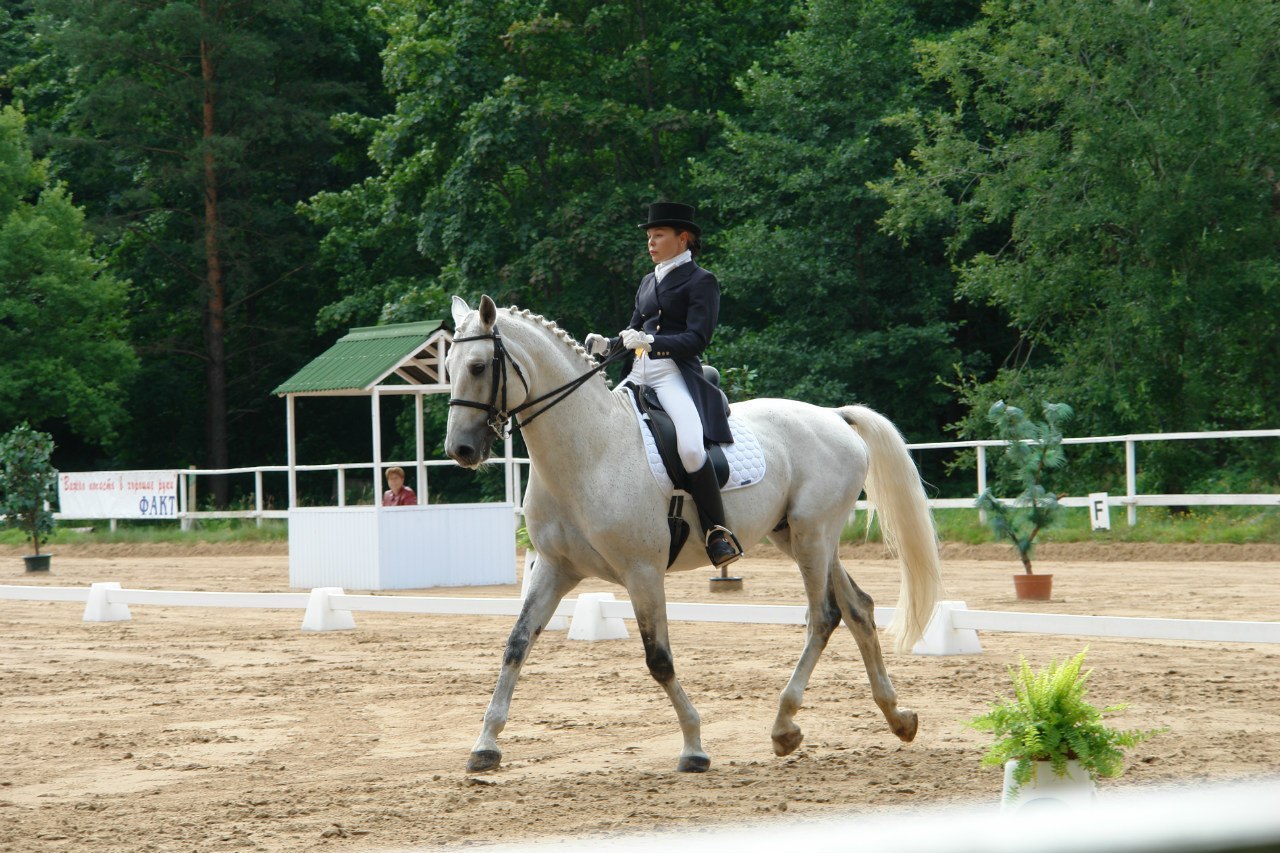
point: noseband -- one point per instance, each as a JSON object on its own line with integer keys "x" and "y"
{"x": 500, "y": 415}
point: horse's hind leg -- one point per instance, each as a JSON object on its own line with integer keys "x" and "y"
{"x": 858, "y": 611}
{"x": 546, "y": 589}
{"x": 824, "y": 616}
{"x": 648, "y": 600}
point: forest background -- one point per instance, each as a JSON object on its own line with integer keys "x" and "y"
{"x": 918, "y": 206}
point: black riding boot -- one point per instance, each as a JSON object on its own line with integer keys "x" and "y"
{"x": 722, "y": 545}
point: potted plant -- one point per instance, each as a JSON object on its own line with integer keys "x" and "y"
{"x": 1052, "y": 743}
{"x": 1032, "y": 449}
{"x": 28, "y": 482}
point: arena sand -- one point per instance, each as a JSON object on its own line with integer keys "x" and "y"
{"x": 211, "y": 729}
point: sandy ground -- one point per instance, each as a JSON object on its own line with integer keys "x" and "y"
{"x": 212, "y": 729}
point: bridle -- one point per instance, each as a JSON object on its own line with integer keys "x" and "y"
{"x": 499, "y": 414}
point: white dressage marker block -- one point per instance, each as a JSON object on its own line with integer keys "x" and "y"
{"x": 555, "y": 623}
{"x": 589, "y": 622}
{"x": 97, "y": 608}
{"x": 321, "y": 616}
{"x": 943, "y": 638}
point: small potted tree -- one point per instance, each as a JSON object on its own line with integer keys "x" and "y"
{"x": 1032, "y": 449}
{"x": 1052, "y": 743}
{"x": 28, "y": 482}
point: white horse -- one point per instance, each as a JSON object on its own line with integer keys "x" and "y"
{"x": 594, "y": 509}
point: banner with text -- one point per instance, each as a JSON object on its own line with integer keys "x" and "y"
{"x": 118, "y": 494}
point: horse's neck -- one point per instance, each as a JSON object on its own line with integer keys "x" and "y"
{"x": 566, "y": 438}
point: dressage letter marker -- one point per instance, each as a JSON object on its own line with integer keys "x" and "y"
{"x": 1099, "y": 511}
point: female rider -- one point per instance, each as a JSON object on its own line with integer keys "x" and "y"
{"x": 677, "y": 307}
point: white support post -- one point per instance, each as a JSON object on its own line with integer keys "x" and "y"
{"x": 342, "y": 486}
{"x": 257, "y": 494}
{"x": 508, "y": 465}
{"x": 941, "y": 637}
{"x": 321, "y": 616}
{"x": 982, "y": 479}
{"x": 589, "y": 623}
{"x": 98, "y": 607}
{"x": 418, "y": 428}
{"x": 375, "y": 414}
{"x": 183, "y": 504}
{"x": 290, "y": 428}
{"x": 1131, "y": 479}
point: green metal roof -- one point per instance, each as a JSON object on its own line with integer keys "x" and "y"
{"x": 364, "y": 357}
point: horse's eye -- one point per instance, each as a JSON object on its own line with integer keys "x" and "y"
{"x": 476, "y": 368}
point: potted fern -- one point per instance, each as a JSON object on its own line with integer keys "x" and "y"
{"x": 1032, "y": 450}
{"x": 28, "y": 483}
{"x": 1052, "y": 743}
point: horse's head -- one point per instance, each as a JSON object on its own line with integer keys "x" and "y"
{"x": 485, "y": 383}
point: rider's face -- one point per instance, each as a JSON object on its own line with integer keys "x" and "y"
{"x": 665, "y": 243}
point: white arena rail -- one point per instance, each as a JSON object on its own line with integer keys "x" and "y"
{"x": 44, "y": 593}
{"x": 1238, "y": 817}
{"x": 598, "y": 616}
{"x": 1199, "y": 630}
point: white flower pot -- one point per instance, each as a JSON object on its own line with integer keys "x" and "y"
{"x": 1048, "y": 791}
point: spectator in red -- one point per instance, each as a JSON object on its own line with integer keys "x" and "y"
{"x": 399, "y": 494}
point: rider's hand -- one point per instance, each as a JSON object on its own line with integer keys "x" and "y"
{"x": 634, "y": 339}
{"x": 596, "y": 344}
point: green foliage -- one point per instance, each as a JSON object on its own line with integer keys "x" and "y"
{"x": 1104, "y": 177}
{"x": 1032, "y": 450}
{"x": 28, "y": 481}
{"x": 1049, "y": 719}
{"x": 817, "y": 299}
{"x": 1204, "y": 525}
{"x": 190, "y": 132}
{"x": 64, "y": 354}
{"x": 526, "y": 139}
{"x": 214, "y": 531}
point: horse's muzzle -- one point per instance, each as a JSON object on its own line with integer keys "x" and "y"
{"x": 469, "y": 454}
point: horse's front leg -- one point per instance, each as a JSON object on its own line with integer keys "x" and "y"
{"x": 546, "y": 589}
{"x": 649, "y": 600}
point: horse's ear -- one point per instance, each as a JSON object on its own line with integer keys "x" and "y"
{"x": 488, "y": 312}
{"x": 460, "y": 311}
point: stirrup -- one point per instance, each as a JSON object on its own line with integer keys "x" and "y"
{"x": 723, "y": 559}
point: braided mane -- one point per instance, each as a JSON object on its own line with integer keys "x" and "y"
{"x": 550, "y": 326}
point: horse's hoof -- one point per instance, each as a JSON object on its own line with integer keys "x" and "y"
{"x": 906, "y": 726}
{"x": 788, "y": 742}
{"x": 483, "y": 759}
{"x": 693, "y": 764}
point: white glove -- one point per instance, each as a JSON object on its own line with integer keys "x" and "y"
{"x": 597, "y": 344}
{"x": 634, "y": 339}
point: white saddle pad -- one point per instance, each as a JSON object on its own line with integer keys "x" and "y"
{"x": 745, "y": 456}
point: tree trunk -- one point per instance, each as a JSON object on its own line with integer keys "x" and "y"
{"x": 214, "y": 325}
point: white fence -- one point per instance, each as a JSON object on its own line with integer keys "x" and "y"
{"x": 598, "y": 616}
{"x": 1239, "y": 817}
{"x": 1131, "y": 499}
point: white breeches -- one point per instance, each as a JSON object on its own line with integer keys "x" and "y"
{"x": 664, "y": 377}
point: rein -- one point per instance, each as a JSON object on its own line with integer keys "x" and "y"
{"x": 500, "y": 416}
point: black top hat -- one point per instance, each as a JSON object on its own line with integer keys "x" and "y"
{"x": 673, "y": 214}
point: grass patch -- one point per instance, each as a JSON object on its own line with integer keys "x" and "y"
{"x": 1212, "y": 525}
{"x": 214, "y": 531}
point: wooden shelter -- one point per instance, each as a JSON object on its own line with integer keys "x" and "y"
{"x": 377, "y": 547}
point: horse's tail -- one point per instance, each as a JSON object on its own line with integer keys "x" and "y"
{"x": 895, "y": 491}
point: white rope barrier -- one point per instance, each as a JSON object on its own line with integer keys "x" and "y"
{"x": 598, "y": 616}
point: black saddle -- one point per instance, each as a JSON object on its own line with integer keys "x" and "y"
{"x": 664, "y": 433}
